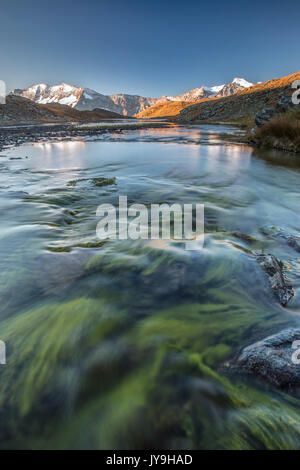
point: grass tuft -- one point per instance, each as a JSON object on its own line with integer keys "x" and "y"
{"x": 283, "y": 132}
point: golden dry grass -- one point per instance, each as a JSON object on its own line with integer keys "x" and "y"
{"x": 271, "y": 84}
{"x": 173, "y": 108}
{"x": 282, "y": 131}
{"x": 165, "y": 109}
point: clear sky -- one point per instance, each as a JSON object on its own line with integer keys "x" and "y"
{"x": 151, "y": 48}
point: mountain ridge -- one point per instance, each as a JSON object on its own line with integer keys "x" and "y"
{"x": 239, "y": 106}
{"x": 86, "y": 99}
{"x": 19, "y": 109}
{"x": 242, "y": 106}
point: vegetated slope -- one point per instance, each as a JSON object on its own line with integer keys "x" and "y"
{"x": 18, "y": 109}
{"x": 86, "y": 99}
{"x": 197, "y": 94}
{"x": 165, "y": 109}
{"x": 242, "y": 106}
{"x": 67, "y": 112}
{"x": 172, "y": 105}
{"x": 282, "y": 132}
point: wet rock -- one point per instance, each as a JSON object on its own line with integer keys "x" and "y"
{"x": 291, "y": 240}
{"x": 279, "y": 234}
{"x": 95, "y": 181}
{"x": 285, "y": 104}
{"x": 273, "y": 269}
{"x": 244, "y": 237}
{"x": 265, "y": 116}
{"x": 294, "y": 242}
{"x": 273, "y": 359}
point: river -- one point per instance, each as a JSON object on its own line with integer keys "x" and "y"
{"x": 122, "y": 344}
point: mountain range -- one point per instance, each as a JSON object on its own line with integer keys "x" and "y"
{"x": 85, "y": 99}
{"x": 222, "y": 103}
{"x": 242, "y": 107}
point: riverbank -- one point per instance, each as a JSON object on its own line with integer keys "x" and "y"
{"x": 274, "y": 135}
{"x": 281, "y": 133}
{"x": 33, "y": 132}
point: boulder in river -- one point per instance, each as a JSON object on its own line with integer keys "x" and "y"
{"x": 279, "y": 234}
{"x": 275, "y": 359}
{"x": 273, "y": 269}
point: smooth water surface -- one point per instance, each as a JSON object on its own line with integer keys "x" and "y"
{"x": 122, "y": 344}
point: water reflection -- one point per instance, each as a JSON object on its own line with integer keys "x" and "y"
{"x": 276, "y": 157}
{"x": 63, "y": 147}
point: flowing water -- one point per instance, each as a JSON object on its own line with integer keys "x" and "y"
{"x": 122, "y": 344}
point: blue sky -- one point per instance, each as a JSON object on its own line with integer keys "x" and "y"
{"x": 147, "y": 48}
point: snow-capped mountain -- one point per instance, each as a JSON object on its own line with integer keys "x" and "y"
{"x": 85, "y": 99}
{"x": 242, "y": 82}
{"x": 196, "y": 94}
{"x": 44, "y": 94}
{"x": 237, "y": 84}
{"x": 215, "y": 89}
{"x": 192, "y": 95}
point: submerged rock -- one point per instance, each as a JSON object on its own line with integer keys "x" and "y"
{"x": 279, "y": 234}
{"x": 95, "y": 181}
{"x": 274, "y": 359}
{"x": 273, "y": 268}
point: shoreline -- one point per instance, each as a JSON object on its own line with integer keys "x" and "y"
{"x": 18, "y": 134}
{"x": 249, "y": 139}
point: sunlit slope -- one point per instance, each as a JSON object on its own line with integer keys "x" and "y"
{"x": 67, "y": 112}
{"x": 241, "y": 106}
{"x": 165, "y": 109}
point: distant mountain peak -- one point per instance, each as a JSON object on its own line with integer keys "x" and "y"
{"x": 242, "y": 82}
{"x": 197, "y": 94}
{"x": 86, "y": 99}
{"x": 215, "y": 89}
